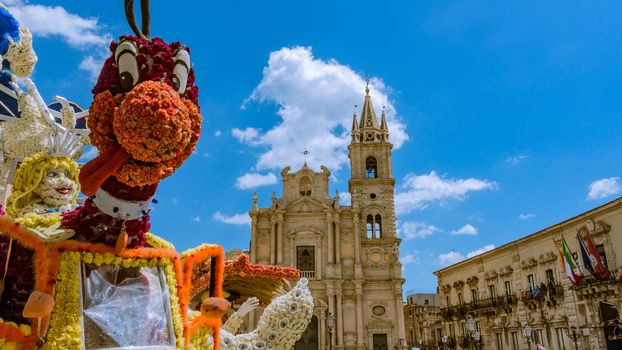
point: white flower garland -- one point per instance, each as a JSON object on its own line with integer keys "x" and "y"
{"x": 281, "y": 324}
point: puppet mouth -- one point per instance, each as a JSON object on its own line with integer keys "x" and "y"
{"x": 94, "y": 173}
{"x": 63, "y": 190}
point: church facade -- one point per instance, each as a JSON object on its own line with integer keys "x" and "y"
{"x": 350, "y": 254}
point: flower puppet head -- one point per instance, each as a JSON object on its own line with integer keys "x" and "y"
{"x": 16, "y": 49}
{"x": 51, "y": 182}
{"x": 144, "y": 118}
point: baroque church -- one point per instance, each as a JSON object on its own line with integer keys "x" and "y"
{"x": 350, "y": 254}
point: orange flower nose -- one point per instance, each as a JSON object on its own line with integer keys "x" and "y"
{"x": 153, "y": 124}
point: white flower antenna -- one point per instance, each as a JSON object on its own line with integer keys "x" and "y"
{"x": 45, "y": 112}
{"x": 68, "y": 113}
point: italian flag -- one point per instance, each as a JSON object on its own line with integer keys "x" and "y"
{"x": 568, "y": 264}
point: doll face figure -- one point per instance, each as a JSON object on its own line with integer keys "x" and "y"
{"x": 56, "y": 188}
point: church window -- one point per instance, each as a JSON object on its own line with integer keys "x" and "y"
{"x": 370, "y": 226}
{"x": 371, "y": 168}
{"x": 374, "y": 226}
{"x": 305, "y": 186}
{"x": 305, "y": 258}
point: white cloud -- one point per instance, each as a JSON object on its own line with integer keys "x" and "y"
{"x": 454, "y": 257}
{"x": 247, "y": 136}
{"x": 411, "y": 259}
{"x": 412, "y": 229}
{"x": 604, "y": 188}
{"x": 467, "y": 229}
{"x": 44, "y": 21}
{"x": 516, "y": 159}
{"x": 79, "y": 32}
{"x": 236, "y": 219}
{"x": 526, "y": 216}
{"x": 196, "y": 218}
{"x": 217, "y": 133}
{"x": 449, "y": 258}
{"x": 479, "y": 251}
{"x": 345, "y": 198}
{"x": 92, "y": 65}
{"x": 419, "y": 190}
{"x": 315, "y": 99}
{"x": 252, "y": 180}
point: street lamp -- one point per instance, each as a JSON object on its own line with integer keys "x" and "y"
{"x": 527, "y": 334}
{"x": 444, "y": 339}
{"x": 330, "y": 323}
{"x": 572, "y": 333}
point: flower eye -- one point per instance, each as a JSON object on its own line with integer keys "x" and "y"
{"x": 284, "y": 323}
{"x": 181, "y": 71}
{"x": 259, "y": 344}
{"x": 293, "y": 307}
{"x": 272, "y": 336}
{"x": 52, "y": 173}
{"x": 125, "y": 57}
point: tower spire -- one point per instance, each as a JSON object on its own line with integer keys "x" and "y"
{"x": 368, "y": 115}
{"x": 383, "y": 122}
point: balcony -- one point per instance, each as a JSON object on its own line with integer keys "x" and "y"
{"x": 310, "y": 275}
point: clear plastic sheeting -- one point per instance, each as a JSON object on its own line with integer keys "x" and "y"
{"x": 126, "y": 308}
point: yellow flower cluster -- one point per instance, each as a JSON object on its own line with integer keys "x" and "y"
{"x": 8, "y": 345}
{"x": 178, "y": 323}
{"x": 26, "y": 330}
{"x": 201, "y": 336}
{"x": 158, "y": 242}
{"x": 32, "y": 220}
{"x": 66, "y": 323}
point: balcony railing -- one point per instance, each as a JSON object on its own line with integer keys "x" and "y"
{"x": 310, "y": 275}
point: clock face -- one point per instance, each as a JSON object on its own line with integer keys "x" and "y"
{"x": 370, "y": 136}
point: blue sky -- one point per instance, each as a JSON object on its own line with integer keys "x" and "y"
{"x": 507, "y": 116}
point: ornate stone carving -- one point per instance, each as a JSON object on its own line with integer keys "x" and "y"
{"x": 471, "y": 281}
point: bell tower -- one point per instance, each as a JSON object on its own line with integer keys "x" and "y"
{"x": 371, "y": 182}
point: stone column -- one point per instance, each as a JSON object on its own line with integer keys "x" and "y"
{"x": 272, "y": 239}
{"x": 359, "y": 315}
{"x": 322, "y": 332}
{"x": 318, "y": 259}
{"x": 253, "y": 239}
{"x": 337, "y": 241}
{"x": 399, "y": 308}
{"x": 329, "y": 232}
{"x": 279, "y": 241}
{"x": 339, "y": 319}
{"x": 292, "y": 252}
{"x": 357, "y": 240}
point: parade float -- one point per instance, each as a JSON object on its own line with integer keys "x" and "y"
{"x": 92, "y": 276}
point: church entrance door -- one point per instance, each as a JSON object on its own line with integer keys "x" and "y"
{"x": 380, "y": 342}
{"x": 309, "y": 339}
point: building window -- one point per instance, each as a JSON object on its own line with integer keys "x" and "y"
{"x": 305, "y": 186}
{"x": 603, "y": 256}
{"x": 515, "y": 341}
{"x": 508, "y": 290}
{"x": 374, "y": 226}
{"x": 561, "y": 342}
{"x": 531, "y": 282}
{"x": 305, "y": 258}
{"x": 550, "y": 278}
{"x": 447, "y": 301}
{"x": 460, "y": 299}
{"x": 474, "y": 296}
{"x": 452, "y": 331}
{"x": 499, "y": 341}
{"x": 493, "y": 292}
{"x": 371, "y": 168}
{"x": 426, "y": 302}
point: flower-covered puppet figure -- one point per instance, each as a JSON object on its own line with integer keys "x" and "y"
{"x": 43, "y": 185}
{"x": 16, "y": 49}
{"x": 145, "y": 122}
{"x": 281, "y": 324}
